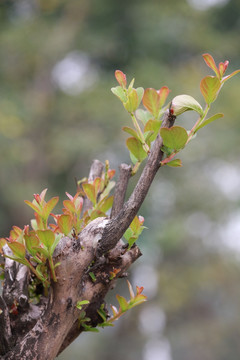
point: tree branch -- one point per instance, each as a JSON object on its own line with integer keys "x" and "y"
{"x": 119, "y": 224}
{"x": 121, "y": 188}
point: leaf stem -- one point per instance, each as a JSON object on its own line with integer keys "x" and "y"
{"x": 51, "y": 265}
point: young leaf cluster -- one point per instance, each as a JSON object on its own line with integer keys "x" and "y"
{"x": 35, "y": 247}
{"x": 124, "y": 306}
{"x": 147, "y": 122}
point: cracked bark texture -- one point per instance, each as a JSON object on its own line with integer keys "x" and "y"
{"x": 42, "y": 331}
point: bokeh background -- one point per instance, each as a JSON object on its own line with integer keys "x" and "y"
{"x": 57, "y": 113}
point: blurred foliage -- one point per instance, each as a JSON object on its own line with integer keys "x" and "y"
{"x": 50, "y": 131}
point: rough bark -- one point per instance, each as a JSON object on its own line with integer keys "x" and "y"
{"x": 42, "y": 331}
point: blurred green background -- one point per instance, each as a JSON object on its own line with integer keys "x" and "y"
{"x": 57, "y": 62}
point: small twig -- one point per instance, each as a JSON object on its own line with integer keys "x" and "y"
{"x": 121, "y": 188}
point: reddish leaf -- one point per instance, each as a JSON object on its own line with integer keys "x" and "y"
{"x": 111, "y": 174}
{"x": 151, "y": 101}
{"x": 15, "y": 233}
{"x": 42, "y": 195}
{"x": 163, "y": 94}
{"x": 121, "y": 78}
{"x": 211, "y": 63}
{"x": 210, "y": 86}
{"x": 69, "y": 206}
{"x": 223, "y": 67}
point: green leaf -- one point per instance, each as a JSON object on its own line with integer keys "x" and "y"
{"x": 105, "y": 204}
{"x": 209, "y": 120}
{"x": 122, "y": 302}
{"x": 134, "y": 159}
{"x": 49, "y": 206}
{"x": 149, "y": 136}
{"x": 132, "y": 102}
{"x": 56, "y": 241}
{"x": 39, "y": 272}
{"x": 135, "y": 147}
{"x": 33, "y": 206}
{"x": 168, "y": 151}
{"x": 153, "y": 126}
{"x": 17, "y": 249}
{"x": 65, "y": 224}
{"x": 135, "y": 225}
{"x": 174, "y": 163}
{"x": 130, "y": 131}
{"x": 47, "y": 237}
{"x": 225, "y": 78}
{"x": 2, "y": 243}
{"x": 20, "y": 260}
{"x": 31, "y": 240}
{"x": 108, "y": 189}
{"x": 96, "y": 213}
{"x": 120, "y": 93}
{"x": 210, "y": 86}
{"x": 41, "y": 250}
{"x": 34, "y": 224}
{"x": 182, "y": 103}
{"x": 90, "y": 192}
{"x": 130, "y": 86}
{"x": 174, "y": 137}
{"x": 81, "y": 303}
{"x": 143, "y": 115}
{"x": 92, "y": 276}
{"x": 140, "y": 92}
{"x": 131, "y": 241}
{"x": 128, "y": 234}
{"x": 102, "y": 313}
